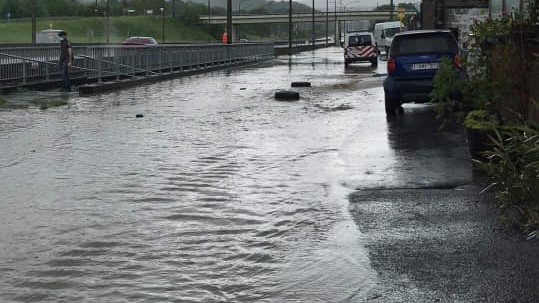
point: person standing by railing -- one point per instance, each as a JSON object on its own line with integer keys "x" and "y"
{"x": 66, "y": 60}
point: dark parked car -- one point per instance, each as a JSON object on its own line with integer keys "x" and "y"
{"x": 414, "y": 58}
{"x": 139, "y": 41}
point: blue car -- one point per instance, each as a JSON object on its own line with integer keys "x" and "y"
{"x": 414, "y": 59}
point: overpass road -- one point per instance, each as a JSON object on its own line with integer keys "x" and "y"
{"x": 300, "y": 17}
{"x": 206, "y": 189}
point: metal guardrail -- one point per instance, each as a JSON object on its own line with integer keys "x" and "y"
{"x": 36, "y": 64}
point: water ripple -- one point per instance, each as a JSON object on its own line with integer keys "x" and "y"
{"x": 210, "y": 197}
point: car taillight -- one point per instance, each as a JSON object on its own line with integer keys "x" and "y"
{"x": 391, "y": 66}
{"x": 458, "y": 62}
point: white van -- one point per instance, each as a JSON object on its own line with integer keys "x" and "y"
{"x": 359, "y": 46}
{"x": 48, "y": 36}
{"x": 384, "y": 32}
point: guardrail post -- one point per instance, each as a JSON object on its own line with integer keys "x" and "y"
{"x": 47, "y": 76}
{"x": 99, "y": 73}
{"x": 161, "y": 60}
{"x": 147, "y": 55}
{"x": 24, "y": 75}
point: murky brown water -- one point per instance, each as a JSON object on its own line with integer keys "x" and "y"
{"x": 218, "y": 194}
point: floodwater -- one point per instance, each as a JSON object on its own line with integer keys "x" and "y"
{"x": 218, "y": 194}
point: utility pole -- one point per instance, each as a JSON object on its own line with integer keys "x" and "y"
{"x": 391, "y": 10}
{"x": 163, "y": 20}
{"x": 312, "y": 31}
{"x": 108, "y": 21}
{"x": 336, "y": 30}
{"x": 229, "y": 21}
{"x": 34, "y": 21}
{"x": 209, "y": 20}
{"x": 289, "y": 27}
{"x": 327, "y": 23}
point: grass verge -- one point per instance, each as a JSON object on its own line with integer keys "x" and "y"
{"x": 92, "y": 29}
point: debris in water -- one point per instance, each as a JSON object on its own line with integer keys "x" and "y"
{"x": 139, "y": 116}
{"x": 301, "y": 84}
{"x": 286, "y": 95}
{"x": 340, "y": 107}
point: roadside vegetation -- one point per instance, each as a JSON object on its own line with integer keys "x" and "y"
{"x": 497, "y": 108}
{"x": 86, "y": 22}
{"x": 48, "y": 102}
{"x": 92, "y": 29}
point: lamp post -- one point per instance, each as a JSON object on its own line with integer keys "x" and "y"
{"x": 229, "y": 21}
{"x": 289, "y": 27}
{"x": 391, "y": 10}
{"x": 209, "y": 20}
{"x": 108, "y": 21}
{"x": 163, "y": 21}
{"x": 312, "y": 30}
{"x": 327, "y": 23}
{"x": 335, "y": 15}
{"x": 33, "y": 21}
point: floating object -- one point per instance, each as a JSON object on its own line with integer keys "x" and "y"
{"x": 286, "y": 95}
{"x": 243, "y": 88}
{"x": 301, "y": 84}
{"x": 139, "y": 116}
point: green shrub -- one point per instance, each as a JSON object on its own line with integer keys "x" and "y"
{"x": 513, "y": 168}
{"x": 481, "y": 120}
{"x": 447, "y": 86}
{"x": 2, "y": 101}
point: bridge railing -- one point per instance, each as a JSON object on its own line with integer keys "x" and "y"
{"x": 30, "y": 64}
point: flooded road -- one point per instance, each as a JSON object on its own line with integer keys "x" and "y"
{"x": 218, "y": 194}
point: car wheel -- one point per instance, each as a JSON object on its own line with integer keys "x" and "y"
{"x": 391, "y": 105}
{"x": 374, "y": 62}
{"x": 346, "y": 63}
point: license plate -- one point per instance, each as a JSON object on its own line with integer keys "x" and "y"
{"x": 417, "y": 66}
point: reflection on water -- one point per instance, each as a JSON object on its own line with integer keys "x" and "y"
{"x": 433, "y": 152}
{"x": 219, "y": 194}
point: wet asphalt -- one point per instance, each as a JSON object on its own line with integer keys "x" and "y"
{"x": 440, "y": 239}
{"x": 231, "y": 196}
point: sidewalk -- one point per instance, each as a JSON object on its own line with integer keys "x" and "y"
{"x": 444, "y": 245}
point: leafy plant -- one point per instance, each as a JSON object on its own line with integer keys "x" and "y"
{"x": 2, "y": 101}
{"x": 447, "y": 92}
{"x": 513, "y": 168}
{"x": 481, "y": 119}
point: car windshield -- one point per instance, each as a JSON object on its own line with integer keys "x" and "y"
{"x": 430, "y": 43}
{"x": 362, "y": 40}
{"x": 390, "y": 32}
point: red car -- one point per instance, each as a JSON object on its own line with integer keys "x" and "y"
{"x": 140, "y": 41}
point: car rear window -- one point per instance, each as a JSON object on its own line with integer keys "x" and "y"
{"x": 429, "y": 43}
{"x": 362, "y": 40}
